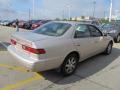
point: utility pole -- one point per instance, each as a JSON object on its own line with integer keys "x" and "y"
{"x": 104, "y": 14}
{"x": 33, "y": 9}
{"x": 69, "y": 11}
{"x": 63, "y": 15}
{"x": 110, "y": 14}
{"x": 29, "y": 14}
{"x": 94, "y": 7}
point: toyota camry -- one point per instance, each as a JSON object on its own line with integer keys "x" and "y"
{"x": 59, "y": 44}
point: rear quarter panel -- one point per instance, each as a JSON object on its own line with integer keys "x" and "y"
{"x": 56, "y": 50}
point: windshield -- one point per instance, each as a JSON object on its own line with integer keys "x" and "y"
{"x": 53, "y": 29}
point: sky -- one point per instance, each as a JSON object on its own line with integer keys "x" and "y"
{"x": 50, "y": 9}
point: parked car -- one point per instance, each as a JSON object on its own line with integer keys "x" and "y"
{"x": 5, "y": 22}
{"x": 11, "y": 23}
{"x": 112, "y": 29}
{"x": 1, "y": 23}
{"x": 29, "y": 24}
{"x": 59, "y": 44}
{"x": 21, "y": 24}
{"x": 36, "y": 25}
{"x": 94, "y": 22}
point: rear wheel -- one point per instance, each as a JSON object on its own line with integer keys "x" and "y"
{"x": 117, "y": 39}
{"x": 69, "y": 65}
{"x": 109, "y": 49}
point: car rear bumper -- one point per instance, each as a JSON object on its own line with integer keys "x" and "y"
{"x": 30, "y": 63}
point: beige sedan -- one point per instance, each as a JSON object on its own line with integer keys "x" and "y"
{"x": 59, "y": 44}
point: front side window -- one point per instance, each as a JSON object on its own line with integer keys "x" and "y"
{"x": 94, "y": 31}
{"x": 53, "y": 29}
{"x": 82, "y": 31}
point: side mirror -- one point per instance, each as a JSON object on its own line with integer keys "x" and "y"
{"x": 105, "y": 34}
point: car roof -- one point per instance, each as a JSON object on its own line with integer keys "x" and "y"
{"x": 73, "y": 22}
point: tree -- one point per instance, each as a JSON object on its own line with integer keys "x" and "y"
{"x": 58, "y": 19}
{"x": 82, "y": 17}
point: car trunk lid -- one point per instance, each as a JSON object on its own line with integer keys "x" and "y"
{"x": 20, "y": 39}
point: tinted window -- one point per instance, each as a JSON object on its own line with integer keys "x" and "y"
{"x": 94, "y": 31}
{"x": 108, "y": 26}
{"x": 53, "y": 29}
{"x": 82, "y": 31}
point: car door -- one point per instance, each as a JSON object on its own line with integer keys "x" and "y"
{"x": 97, "y": 39}
{"x": 82, "y": 41}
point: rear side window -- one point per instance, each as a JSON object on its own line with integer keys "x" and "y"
{"x": 82, "y": 31}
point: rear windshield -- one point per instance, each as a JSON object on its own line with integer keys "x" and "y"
{"x": 53, "y": 29}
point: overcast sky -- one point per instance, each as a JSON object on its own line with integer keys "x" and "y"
{"x": 11, "y": 9}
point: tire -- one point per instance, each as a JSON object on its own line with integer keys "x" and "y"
{"x": 117, "y": 40}
{"x": 109, "y": 49}
{"x": 69, "y": 65}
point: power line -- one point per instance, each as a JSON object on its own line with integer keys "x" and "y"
{"x": 29, "y": 14}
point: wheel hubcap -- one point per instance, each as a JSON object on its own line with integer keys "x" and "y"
{"x": 70, "y": 65}
{"x": 109, "y": 48}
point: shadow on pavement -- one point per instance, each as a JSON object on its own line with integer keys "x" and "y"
{"x": 85, "y": 69}
{"x": 2, "y": 47}
{"x": 6, "y": 43}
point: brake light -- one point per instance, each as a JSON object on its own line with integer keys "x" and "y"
{"x": 13, "y": 42}
{"x": 33, "y": 50}
{"x": 34, "y": 26}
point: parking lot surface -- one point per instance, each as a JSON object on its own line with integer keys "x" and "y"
{"x": 97, "y": 73}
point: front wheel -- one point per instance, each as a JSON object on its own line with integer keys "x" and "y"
{"x": 69, "y": 65}
{"x": 117, "y": 40}
{"x": 109, "y": 49}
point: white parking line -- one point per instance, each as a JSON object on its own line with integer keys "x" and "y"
{"x": 4, "y": 44}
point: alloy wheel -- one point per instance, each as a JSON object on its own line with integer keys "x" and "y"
{"x": 109, "y": 48}
{"x": 70, "y": 65}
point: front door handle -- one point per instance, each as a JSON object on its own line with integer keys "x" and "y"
{"x": 78, "y": 45}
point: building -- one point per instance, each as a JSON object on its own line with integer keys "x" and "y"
{"x": 81, "y": 18}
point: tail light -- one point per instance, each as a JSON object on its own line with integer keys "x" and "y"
{"x": 13, "y": 42}
{"x": 34, "y": 26}
{"x": 33, "y": 50}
